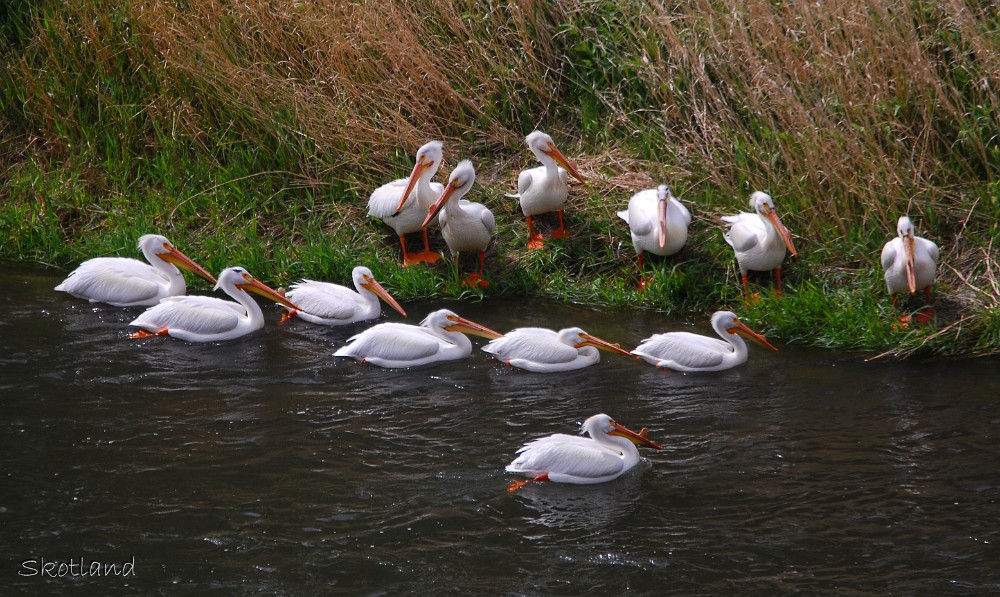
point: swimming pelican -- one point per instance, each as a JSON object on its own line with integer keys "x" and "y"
{"x": 465, "y": 226}
{"x": 439, "y": 337}
{"x": 125, "y": 282}
{"x": 610, "y": 452}
{"x": 403, "y": 210}
{"x": 759, "y": 239}
{"x": 684, "y": 351}
{"x": 658, "y": 223}
{"x": 206, "y": 318}
{"x": 546, "y": 351}
{"x": 910, "y": 262}
{"x": 544, "y": 188}
{"x": 331, "y": 304}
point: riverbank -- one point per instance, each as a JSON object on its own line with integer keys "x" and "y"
{"x": 253, "y": 135}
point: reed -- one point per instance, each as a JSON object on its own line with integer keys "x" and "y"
{"x": 256, "y": 130}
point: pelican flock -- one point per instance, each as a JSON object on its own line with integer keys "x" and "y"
{"x": 759, "y": 239}
{"x": 126, "y": 282}
{"x": 324, "y": 303}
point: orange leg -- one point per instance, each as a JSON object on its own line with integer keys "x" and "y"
{"x": 519, "y": 484}
{"x": 643, "y": 279}
{"x": 778, "y": 291}
{"x": 145, "y": 334}
{"x": 561, "y": 231}
{"x": 408, "y": 259}
{"x": 476, "y": 278}
{"x": 427, "y": 256}
{"x": 534, "y": 240}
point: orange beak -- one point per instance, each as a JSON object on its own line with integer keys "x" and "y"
{"x": 662, "y": 206}
{"x": 743, "y": 330}
{"x": 461, "y": 324}
{"x": 602, "y": 345}
{"x": 436, "y": 207}
{"x": 911, "y": 276}
{"x": 783, "y": 232}
{"x": 418, "y": 169}
{"x": 174, "y": 256}
{"x": 256, "y": 287}
{"x": 565, "y": 163}
{"x": 374, "y": 286}
{"x": 632, "y": 436}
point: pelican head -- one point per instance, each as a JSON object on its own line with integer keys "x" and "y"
{"x": 577, "y": 338}
{"x": 240, "y": 279}
{"x": 429, "y": 158}
{"x": 451, "y": 322}
{"x": 726, "y": 321}
{"x": 544, "y": 148}
{"x": 460, "y": 181}
{"x": 602, "y": 423}
{"x": 155, "y": 245}
{"x": 904, "y": 228}
{"x": 762, "y": 203}
{"x": 363, "y": 278}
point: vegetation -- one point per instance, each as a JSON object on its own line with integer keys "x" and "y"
{"x": 252, "y": 133}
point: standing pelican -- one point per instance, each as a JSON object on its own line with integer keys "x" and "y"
{"x": 206, "y": 318}
{"x": 910, "y": 262}
{"x": 759, "y": 239}
{"x": 544, "y": 188}
{"x": 658, "y": 223}
{"x": 125, "y": 282}
{"x": 610, "y": 452}
{"x": 331, "y": 304}
{"x": 684, "y": 351}
{"x": 439, "y": 337}
{"x": 403, "y": 210}
{"x": 465, "y": 226}
{"x": 546, "y": 351}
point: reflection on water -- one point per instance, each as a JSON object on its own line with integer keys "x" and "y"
{"x": 265, "y": 465}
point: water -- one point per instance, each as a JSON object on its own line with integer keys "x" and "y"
{"x": 264, "y": 466}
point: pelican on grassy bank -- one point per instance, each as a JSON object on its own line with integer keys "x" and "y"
{"x": 658, "y": 223}
{"x": 759, "y": 239}
{"x": 465, "y": 226}
{"x": 206, "y": 318}
{"x": 544, "y": 188}
{"x": 402, "y": 204}
{"x": 546, "y": 351}
{"x": 324, "y": 303}
{"x": 684, "y": 351}
{"x": 126, "y": 282}
{"x": 606, "y": 455}
{"x": 439, "y": 337}
{"x": 910, "y": 261}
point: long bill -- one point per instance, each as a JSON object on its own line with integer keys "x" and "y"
{"x": 602, "y": 345}
{"x": 635, "y": 438}
{"x": 418, "y": 171}
{"x": 911, "y": 275}
{"x": 463, "y": 325}
{"x": 740, "y": 328}
{"x": 373, "y": 285}
{"x": 661, "y": 212}
{"x": 783, "y": 232}
{"x": 436, "y": 207}
{"x": 257, "y": 287}
{"x": 565, "y": 163}
{"x": 174, "y": 256}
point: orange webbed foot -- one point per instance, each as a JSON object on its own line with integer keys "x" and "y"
{"x": 535, "y": 241}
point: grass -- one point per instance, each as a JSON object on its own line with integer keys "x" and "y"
{"x": 252, "y": 133}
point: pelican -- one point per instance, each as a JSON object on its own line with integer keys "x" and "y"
{"x": 683, "y": 351}
{"x": 658, "y": 223}
{"x": 546, "y": 351}
{"x": 610, "y": 452}
{"x": 331, "y": 304}
{"x": 439, "y": 337}
{"x": 759, "y": 239}
{"x": 403, "y": 211}
{"x": 544, "y": 189}
{"x": 125, "y": 282}
{"x": 206, "y": 318}
{"x": 910, "y": 262}
{"x": 465, "y": 226}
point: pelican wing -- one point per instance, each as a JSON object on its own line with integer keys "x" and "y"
{"x": 930, "y": 248}
{"x": 525, "y": 180}
{"x": 393, "y": 342}
{"x": 567, "y": 455}
{"x": 676, "y": 205}
{"x": 196, "y": 314}
{"x": 385, "y": 199}
{"x": 531, "y": 344}
{"x": 114, "y": 280}
{"x": 330, "y": 301}
{"x": 890, "y": 252}
{"x": 745, "y": 231}
{"x": 486, "y": 217}
{"x": 684, "y": 349}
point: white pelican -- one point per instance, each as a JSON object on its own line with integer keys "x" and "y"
{"x": 910, "y": 262}
{"x": 403, "y": 210}
{"x": 206, "y": 318}
{"x": 684, "y": 351}
{"x": 759, "y": 239}
{"x": 465, "y": 226}
{"x": 439, "y": 337}
{"x": 658, "y": 223}
{"x": 544, "y": 189}
{"x": 610, "y": 452}
{"x": 125, "y": 282}
{"x": 331, "y": 304}
{"x": 546, "y": 351}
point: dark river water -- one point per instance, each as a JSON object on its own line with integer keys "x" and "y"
{"x": 265, "y": 466}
